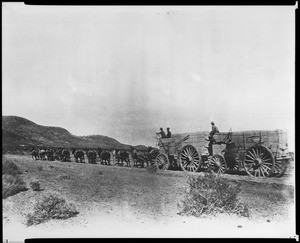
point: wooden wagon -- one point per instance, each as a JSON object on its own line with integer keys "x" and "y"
{"x": 259, "y": 153}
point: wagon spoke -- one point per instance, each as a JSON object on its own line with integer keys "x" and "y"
{"x": 250, "y": 156}
{"x": 184, "y": 155}
{"x": 266, "y": 163}
{"x": 263, "y": 157}
{"x": 259, "y": 172}
{"x": 267, "y": 159}
{"x": 253, "y": 156}
{"x": 188, "y": 151}
{"x": 266, "y": 167}
{"x": 194, "y": 168}
{"x": 262, "y": 171}
{"x": 259, "y": 153}
{"x": 255, "y": 152}
{"x": 277, "y": 168}
{"x": 248, "y": 160}
{"x": 193, "y": 153}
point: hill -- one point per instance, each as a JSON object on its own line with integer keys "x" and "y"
{"x": 18, "y": 131}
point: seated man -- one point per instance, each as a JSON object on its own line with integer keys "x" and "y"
{"x": 169, "y": 134}
{"x": 162, "y": 133}
{"x": 214, "y": 130}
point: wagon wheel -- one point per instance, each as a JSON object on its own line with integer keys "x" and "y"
{"x": 217, "y": 163}
{"x": 162, "y": 162}
{"x": 258, "y": 161}
{"x": 280, "y": 167}
{"x": 189, "y": 158}
{"x": 232, "y": 163}
{"x": 234, "y": 167}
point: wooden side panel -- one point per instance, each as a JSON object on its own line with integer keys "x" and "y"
{"x": 272, "y": 139}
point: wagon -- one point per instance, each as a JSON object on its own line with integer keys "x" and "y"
{"x": 258, "y": 153}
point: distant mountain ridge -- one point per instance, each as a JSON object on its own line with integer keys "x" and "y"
{"x": 18, "y": 131}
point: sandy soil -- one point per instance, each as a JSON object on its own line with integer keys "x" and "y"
{"x": 133, "y": 202}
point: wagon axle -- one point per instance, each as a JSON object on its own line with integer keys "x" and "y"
{"x": 189, "y": 159}
{"x": 258, "y": 161}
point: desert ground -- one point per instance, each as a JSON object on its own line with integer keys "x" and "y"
{"x": 118, "y": 202}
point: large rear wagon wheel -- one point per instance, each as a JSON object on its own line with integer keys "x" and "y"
{"x": 162, "y": 162}
{"x": 189, "y": 159}
{"x": 217, "y": 164}
{"x": 258, "y": 161}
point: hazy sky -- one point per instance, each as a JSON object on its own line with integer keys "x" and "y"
{"x": 126, "y": 71}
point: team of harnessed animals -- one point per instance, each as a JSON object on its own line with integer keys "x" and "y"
{"x": 259, "y": 153}
{"x": 120, "y": 157}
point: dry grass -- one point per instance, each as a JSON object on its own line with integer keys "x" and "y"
{"x": 211, "y": 195}
{"x": 12, "y": 185}
{"x": 35, "y": 185}
{"x": 112, "y": 191}
{"x": 51, "y": 207}
{"x": 151, "y": 168}
{"x": 10, "y": 168}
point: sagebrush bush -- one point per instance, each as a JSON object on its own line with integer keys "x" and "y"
{"x": 152, "y": 168}
{"x": 65, "y": 176}
{"x": 211, "y": 195}
{"x": 12, "y": 185}
{"x": 40, "y": 167}
{"x": 51, "y": 207}
{"x": 10, "y": 168}
{"x": 35, "y": 185}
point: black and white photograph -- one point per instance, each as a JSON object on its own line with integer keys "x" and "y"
{"x": 148, "y": 121}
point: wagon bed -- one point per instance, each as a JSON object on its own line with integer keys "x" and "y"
{"x": 250, "y": 147}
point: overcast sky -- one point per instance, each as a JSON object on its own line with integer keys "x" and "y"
{"x": 124, "y": 72}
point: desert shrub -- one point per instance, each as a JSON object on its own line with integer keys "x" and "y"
{"x": 210, "y": 195}
{"x": 151, "y": 168}
{"x": 35, "y": 185}
{"x": 12, "y": 185}
{"x": 10, "y": 168}
{"x": 40, "y": 167}
{"x": 65, "y": 176}
{"x": 50, "y": 207}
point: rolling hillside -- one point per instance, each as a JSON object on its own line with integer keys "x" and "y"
{"x": 18, "y": 131}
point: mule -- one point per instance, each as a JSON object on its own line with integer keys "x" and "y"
{"x": 105, "y": 157}
{"x": 49, "y": 154}
{"x": 42, "y": 154}
{"x": 34, "y": 154}
{"x": 138, "y": 157}
{"x": 92, "y": 156}
{"x": 79, "y": 156}
{"x": 123, "y": 156}
{"x": 65, "y": 155}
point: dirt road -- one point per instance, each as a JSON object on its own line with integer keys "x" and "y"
{"x": 133, "y": 202}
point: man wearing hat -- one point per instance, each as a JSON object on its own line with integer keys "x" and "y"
{"x": 169, "y": 134}
{"x": 161, "y": 133}
{"x": 214, "y": 130}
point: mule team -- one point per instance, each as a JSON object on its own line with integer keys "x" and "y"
{"x": 140, "y": 158}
